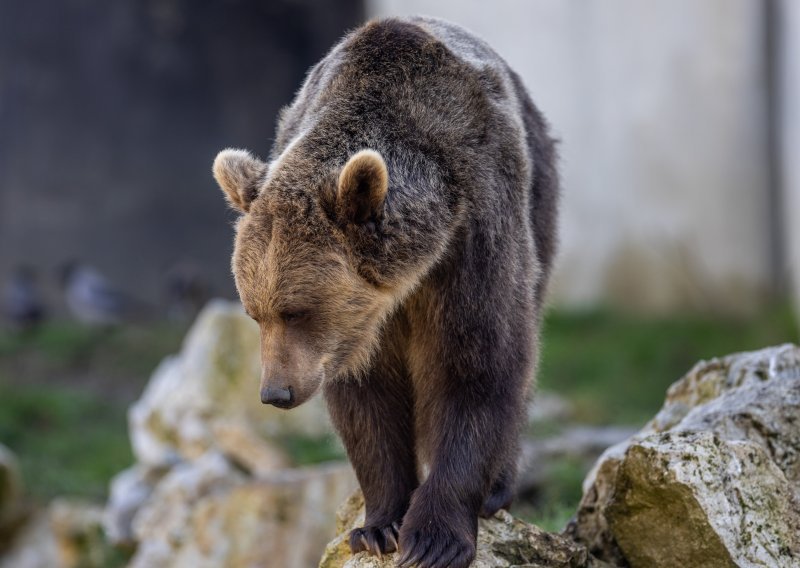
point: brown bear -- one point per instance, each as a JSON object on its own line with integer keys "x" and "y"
{"x": 394, "y": 252}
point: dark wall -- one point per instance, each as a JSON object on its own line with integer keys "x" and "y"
{"x": 112, "y": 112}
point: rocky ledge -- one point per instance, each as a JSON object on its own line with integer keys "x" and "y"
{"x": 713, "y": 480}
{"x": 503, "y": 542}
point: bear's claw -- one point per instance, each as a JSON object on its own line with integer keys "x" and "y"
{"x": 435, "y": 549}
{"x": 375, "y": 540}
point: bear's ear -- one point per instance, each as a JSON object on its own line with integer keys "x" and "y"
{"x": 362, "y": 187}
{"x": 240, "y": 175}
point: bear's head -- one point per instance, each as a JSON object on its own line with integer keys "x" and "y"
{"x": 295, "y": 269}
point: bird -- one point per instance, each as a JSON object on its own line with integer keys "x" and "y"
{"x": 23, "y": 306}
{"x": 186, "y": 291}
{"x": 93, "y": 300}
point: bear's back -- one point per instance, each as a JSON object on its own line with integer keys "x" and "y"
{"x": 446, "y": 112}
{"x": 396, "y": 67}
{"x": 471, "y": 50}
{"x": 491, "y": 70}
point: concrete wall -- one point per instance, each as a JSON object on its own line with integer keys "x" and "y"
{"x": 789, "y": 98}
{"x": 661, "y": 107}
{"x": 111, "y": 114}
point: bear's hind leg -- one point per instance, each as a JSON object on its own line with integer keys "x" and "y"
{"x": 502, "y": 491}
{"x": 374, "y": 419}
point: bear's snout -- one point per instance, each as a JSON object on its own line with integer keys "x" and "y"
{"x": 278, "y": 396}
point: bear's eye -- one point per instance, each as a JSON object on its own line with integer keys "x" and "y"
{"x": 293, "y": 316}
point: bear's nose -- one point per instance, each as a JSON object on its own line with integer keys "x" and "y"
{"x": 277, "y": 396}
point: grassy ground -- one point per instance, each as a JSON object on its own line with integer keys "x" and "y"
{"x": 64, "y": 389}
{"x": 616, "y": 368}
{"x": 556, "y": 504}
{"x": 67, "y": 442}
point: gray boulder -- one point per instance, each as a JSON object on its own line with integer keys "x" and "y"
{"x": 540, "y": 457}
{"x": 503, "y": 542}
{"x": 713, "y": 479}
{"x": 207, "y": 515}
{"x": 207, "y": 398}
{"x": 66, "y": 534}
{"x": 212, "y": 485}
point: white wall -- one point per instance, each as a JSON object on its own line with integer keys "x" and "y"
{"x": 790, "y": 136}
{"x": 661, "y": 109}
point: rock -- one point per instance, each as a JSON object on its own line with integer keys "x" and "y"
{"x": 713, "y": 479}
{"x": 549, "y": 407}
{"x": 11, "y": 507}
{"x": 205, "y": 514}
{"x": 242, "y": 445}
{"x": 68, "y": 534}
{"x": 207, "y": 397}
{"x": 212, "y": 485}
{"x": 129, "y": 491}
{"x": 33, "y": 546}
{"x": 78, "y": 530}
{"x": 163, "y": 523}
{"x": 503, "y": 541}
{"x": 582, "y": 444}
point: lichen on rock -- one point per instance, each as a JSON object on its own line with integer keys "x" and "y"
{"x": 67, "y": 533}
{"x": 207, "y": 398}
{"x": 206, "y": 514}
{"x": 213, "y": 485}
{"x": 713, "y": 479}
{"x": 503, "y": 542}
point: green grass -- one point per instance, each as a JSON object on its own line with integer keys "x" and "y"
{"x": 67, "y": 347}
{"x": 558, "y": 501}
{"x": 308, "y": 451}
{"x": 67, "y": 442}
{"x": 64, "y": 390}
{"x": 616, "y": 368}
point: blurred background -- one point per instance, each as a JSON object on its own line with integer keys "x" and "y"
{"x": 679, "y": 123}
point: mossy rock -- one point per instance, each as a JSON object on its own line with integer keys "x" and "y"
{"x": 503, "y": 542}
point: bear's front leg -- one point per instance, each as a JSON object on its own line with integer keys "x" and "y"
{"x": 374, "y": 419}
{"x": 470, "y": 441}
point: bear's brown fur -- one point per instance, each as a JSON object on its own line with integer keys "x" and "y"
{"x": 395, "y": 252}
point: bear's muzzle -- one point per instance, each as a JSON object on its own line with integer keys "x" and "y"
{"x": 277, "y": 396}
